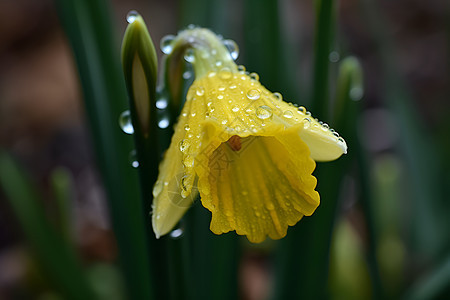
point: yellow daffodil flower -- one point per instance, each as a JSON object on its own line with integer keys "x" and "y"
{"x": 249, "y": 154}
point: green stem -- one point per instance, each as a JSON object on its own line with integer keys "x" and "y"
{"x": 322, "y": 46}
{"x": 88, "y": 28}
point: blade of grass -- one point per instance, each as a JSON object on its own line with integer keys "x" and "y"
{"x": 89, "y": 31}
{"x": 61, "y": 184}
{"x": 435, "y": 285}
{"x": 322, "y": 45}
{"x": 54, "y": 253}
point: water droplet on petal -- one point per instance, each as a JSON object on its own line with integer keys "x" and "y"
{"x": 188, "y": 161}
{"x": 184, "y": 145}
{"x": 302, "y": 109}
{"x": 306, "y": 123}
{"x": 158, "y": 187}
{"x": 241, "y": 68}
{"x": 200, "y": 91}
{"x": 166, "y": 44}
{"x": 288, "y": 114}
{"x": 185, "y": 185}
{"x": 254, "y": 76}
{"x": 189, "y": 55}
{"x": 233, "y": 86}
{"x": 161, "y": 103}
{"x": 125, "y": 122}
{"x": 232, "y": 48}
{"x": 133, "y": 159}
{"x": 163, "y": 123}
{"x": 278, "y": 96}
{"x": 224, "y": 122}
{"x": 253, "y": 94}
{"x": 219, "y": 63}
{"x": 270, "y": 206}
{"x": 235, "y": 108}
{"x": 187, "y": 128}
{"x": 264, "y": 112}
{"x": 225, "y": 73}
{"x": 176, "y": 234}
{"x": 131, "y": 16}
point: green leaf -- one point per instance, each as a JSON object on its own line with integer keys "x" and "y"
{"x": 90, "y": 34}
{"x": 54, "y": 252}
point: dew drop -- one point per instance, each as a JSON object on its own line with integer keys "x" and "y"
{"x": 225, "y": 73}
{"x": 185, "y": 185}
{"x": 166, "y": 44}
{"x": 224, "y": 122}
{"x": 132, "y": 16}
{"x": 220, "y": 97}
{"x": 356, "y": 93}
{"x": 187, "y": 128}
{"x": 125, "y": 122}
{"x": 326, "y": 126}
{"x": 253, "y": 94}
{"x": 241, "y": 68}
{"x": 233, "y": 86}
{"x": 133, "y": 159}
{"x": 219, "y": 63}
{"x": 270, "y": 206}
{"x": 157, "y": 188}
{"x": 200, "y": 91}
{"x": 254, "y": 76}
{"x": 189, "y": 55}
{"x": 161, "y": 103}
{"x": 232, "y": 47}
{"x": 187, "y": 75}
{"x": 288, "y": 114}
{"x": 193, "y": 114}
{"x": 258, "y": 214}
{"x": 235, "y": 108}
{"x": 176, "y": 233}
{"x": 264, "y": 112}
{"x": 334, "y": 56}
{"x": 302, "y": 109}
{"x": 306, "y": 123}
{"x": 188, "y": 161}
{"x": 278, "y": 96}
{"x": 184, "y": 145}
{"x": 163, "y": 123}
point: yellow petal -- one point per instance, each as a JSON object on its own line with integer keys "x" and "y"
{"x": 251, "y": 153}
{"x": 260, "y": 189}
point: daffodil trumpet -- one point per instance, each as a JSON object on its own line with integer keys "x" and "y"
{"x": 249, "y": 154}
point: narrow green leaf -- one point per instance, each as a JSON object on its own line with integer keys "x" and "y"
{"x": 90, "y": 33}
{"x": 61, "y": 184}
{"x": 54, "y": 253}
{"x": 322, "y": 44}
{"x": 435, "y": 285}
